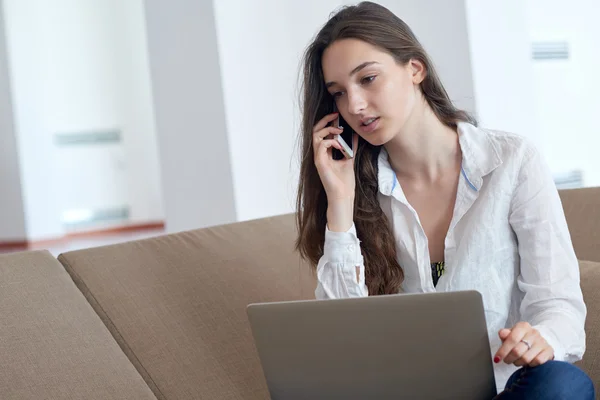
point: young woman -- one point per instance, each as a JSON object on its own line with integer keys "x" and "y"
{"x": 431, "y": 202}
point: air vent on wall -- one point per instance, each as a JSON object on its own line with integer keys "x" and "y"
{"x": 569, "y": 180}
{"x": 87, "y": 138}
{"x": 85, "y": 217}
{"x": 550, "y": 50}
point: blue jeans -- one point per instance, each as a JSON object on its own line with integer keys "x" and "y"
{"x": 552, "y": 380}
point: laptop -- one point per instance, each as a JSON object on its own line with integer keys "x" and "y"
{"x": 405, "y": 346}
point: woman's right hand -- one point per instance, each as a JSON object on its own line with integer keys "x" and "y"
{"x": 337, "y": 176}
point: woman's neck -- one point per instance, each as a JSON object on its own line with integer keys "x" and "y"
{"x": 426, "y": 149}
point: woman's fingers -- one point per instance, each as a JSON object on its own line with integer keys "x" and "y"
{"x": 321, "y": 153}
{"x": 546, "y": 355}
{"x": 318, "y": 136}
{"x": 529, "y": 354}
{"x": 324, "y": 121}
{"x": 512, "y": 341}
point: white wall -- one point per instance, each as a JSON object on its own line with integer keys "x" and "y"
{"x": 260, "y": 47}
{"x": 226, "y": 105}
{"x": 26, "y": 30}
{"x": 136, "y": 107}
{"x": 566, "y": 91}
{"x": 12, "y": 217}
{"x": 81, "y": 66}
{"x": 82, "y": 93}
{"x": 190, "y": 117}
{"x": 502, "y": 66}
{"x": 103, "y": 73}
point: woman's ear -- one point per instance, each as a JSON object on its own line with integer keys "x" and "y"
{"x": 418, "y": 71}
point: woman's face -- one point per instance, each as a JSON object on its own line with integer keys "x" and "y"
{"x": 373, "y": 93}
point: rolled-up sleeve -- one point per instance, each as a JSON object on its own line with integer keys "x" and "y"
{"x": 337, "y": 269}
{"x": 549, "y": 270}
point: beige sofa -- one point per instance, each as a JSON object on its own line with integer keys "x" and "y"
{"x": 165, "y": 318}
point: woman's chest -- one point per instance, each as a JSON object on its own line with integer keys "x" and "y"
{"x": 433, "y": 211}
{"x": 476, "y": 242}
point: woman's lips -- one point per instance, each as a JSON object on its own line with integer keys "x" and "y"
{"x": 370, "y": 127}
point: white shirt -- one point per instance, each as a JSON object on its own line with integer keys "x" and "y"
{"x": 508, "y": 239}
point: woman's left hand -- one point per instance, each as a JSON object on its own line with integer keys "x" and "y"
{"x": 523, "y": 346}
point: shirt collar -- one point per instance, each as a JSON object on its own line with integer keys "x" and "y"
{"x": 479, "y": 158}
{"x": 385, "y": 175}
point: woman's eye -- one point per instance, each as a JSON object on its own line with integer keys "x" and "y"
{"x": 368, "y": 79}
{"x": 337, "y": 94}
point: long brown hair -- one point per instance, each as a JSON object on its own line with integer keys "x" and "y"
{"x": 376, "y": 25}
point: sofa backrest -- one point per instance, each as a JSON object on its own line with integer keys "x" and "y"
{"x": 177, "y": 303}
{"x": 590, "y": 285}
{"x": 52, "y": 343}
{"x": 582, "y": 210}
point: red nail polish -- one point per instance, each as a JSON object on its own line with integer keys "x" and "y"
{"x": 496, "y": 359}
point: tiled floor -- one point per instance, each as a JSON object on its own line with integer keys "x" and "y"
{"x": 76, "y": 243}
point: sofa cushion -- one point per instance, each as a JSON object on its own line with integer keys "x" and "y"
{"x": 582, "y": 211}
{"x": 52, "y": 343}
{"x": 590, "y": 285}
{"x": 177, "y": 303}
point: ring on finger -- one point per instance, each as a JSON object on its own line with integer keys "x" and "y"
{"x": 527, "y": 343}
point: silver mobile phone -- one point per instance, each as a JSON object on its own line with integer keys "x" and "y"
{"x": 344, "y": 138}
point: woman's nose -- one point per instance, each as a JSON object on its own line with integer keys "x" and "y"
{"x": 356, "y": 103}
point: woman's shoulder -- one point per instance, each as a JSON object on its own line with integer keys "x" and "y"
{"x": 509, "y": 147}
{"x": 505, "y": 157}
